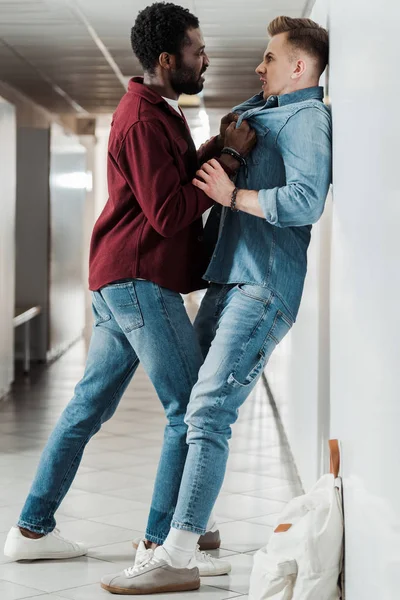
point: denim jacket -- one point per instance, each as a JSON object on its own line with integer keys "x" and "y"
{"x": 290, "y": 167}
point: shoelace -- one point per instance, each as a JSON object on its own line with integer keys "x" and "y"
{"x": 203, "y": 555}
{"x": 147, "y": 555}
{"x": 137, "y": 568}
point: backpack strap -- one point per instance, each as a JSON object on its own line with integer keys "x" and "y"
{"x": 335, "y": 457}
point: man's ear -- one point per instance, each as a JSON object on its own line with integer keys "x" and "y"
{"x": 167, "y": 61}
{"x": 301, "y": 67}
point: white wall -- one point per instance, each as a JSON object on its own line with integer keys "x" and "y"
{"x": 351, "y": 360}
{"x": 69, "y": 180}
{"x": 298, "y": 372}
{"x": 7, "y": 242}
{"x": 365, "y": 300}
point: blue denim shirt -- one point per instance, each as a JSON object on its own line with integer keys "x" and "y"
{"x": 290, "y": 167}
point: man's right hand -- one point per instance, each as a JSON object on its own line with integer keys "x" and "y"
{"x": 242, "y": 139}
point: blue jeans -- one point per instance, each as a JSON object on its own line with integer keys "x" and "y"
{"x": 238, "y": 326}
{"x": 133, "y": 321}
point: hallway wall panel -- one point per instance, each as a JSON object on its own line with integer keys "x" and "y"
{"x": 7, "y": 242}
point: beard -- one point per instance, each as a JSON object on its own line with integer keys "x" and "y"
{"x": 185, "y": 80}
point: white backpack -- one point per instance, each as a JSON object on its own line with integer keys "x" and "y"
{"x": 303, "y": 558}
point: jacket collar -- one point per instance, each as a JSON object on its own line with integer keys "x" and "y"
{"x": 137, "y": 87}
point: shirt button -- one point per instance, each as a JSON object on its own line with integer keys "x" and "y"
{"x": 200, "y": 238}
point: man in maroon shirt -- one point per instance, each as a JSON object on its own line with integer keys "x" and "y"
{"x": 147, "y": 248}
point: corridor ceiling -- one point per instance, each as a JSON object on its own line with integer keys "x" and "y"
{"x": 74, "y": 56}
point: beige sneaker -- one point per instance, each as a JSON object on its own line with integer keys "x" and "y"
{"x": 154, "y": 577}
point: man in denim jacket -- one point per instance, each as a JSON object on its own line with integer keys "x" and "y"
{"x": 257, "y": 273}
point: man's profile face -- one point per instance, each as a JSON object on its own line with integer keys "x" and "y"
{"x": 277, "y": 67}
{"x": 188, "y": 78}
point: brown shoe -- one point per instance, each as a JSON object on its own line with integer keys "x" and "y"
{"x": 210, "y": 541}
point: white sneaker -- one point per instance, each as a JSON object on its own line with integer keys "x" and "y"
{"x": 50, "y": 546}
{"x": 208, "y": 565}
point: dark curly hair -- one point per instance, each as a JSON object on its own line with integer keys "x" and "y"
{"x": 159, "y": 28}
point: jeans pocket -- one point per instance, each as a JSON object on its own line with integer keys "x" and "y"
{"x": 100, "y": 310}
{"x": 122, "y": 299}
{"x": 257, "y": 292}
{"x": 241, "y": 377}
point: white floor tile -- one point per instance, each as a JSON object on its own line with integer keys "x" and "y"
{"x": 121, "y": 553}
{"x": 102, "y": 481}
{"x": 96, "y": 534}
{"x": 88, "y": 505}
{"x": 14, "y": 591}
{"x": 242, "y": 507}
{"x": 240, "y": 483}
{"x": 133, "y": 519}
{"x": 281, "y": 493}
{"x": 94, "y": 592}
{"x": 112, "y": 460}
{"x": 49, "y": 597}
{"x": 52, "y": 576}
{"x": 269, "y": 520}
{"x": 241, "y": 536}
{"x": 238, "y": 580}
{"x": 144, "y": 493}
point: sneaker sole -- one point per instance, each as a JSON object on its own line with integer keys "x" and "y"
{"x": 184, "y": 587}
{"x": 216, "y": 573}
{"x": 45, "y": 556}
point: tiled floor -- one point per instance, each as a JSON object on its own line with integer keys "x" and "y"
{"x": 107, "y": 506}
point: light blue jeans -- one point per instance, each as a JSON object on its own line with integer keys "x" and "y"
{"x": 133, "y": 321}
{"x": 238, "y": 326}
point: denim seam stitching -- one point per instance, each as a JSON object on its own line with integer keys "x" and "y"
{"x": 256, "y": 327}
{"x": 93, "y": 428}
{"x": 176, "y": 336}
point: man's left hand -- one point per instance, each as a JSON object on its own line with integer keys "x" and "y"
{"x": 213, "y": 180}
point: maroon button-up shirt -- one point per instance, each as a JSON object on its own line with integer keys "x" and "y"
{"x": 151, "y": 226}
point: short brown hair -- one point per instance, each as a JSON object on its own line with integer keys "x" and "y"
{"x": 304, "y": 34}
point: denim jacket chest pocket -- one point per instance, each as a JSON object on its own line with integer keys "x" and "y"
{"x": 258, "y": 154}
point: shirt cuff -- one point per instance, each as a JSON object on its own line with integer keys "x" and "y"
{"x": 267, "y": 201}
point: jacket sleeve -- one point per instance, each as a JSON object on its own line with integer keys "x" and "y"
{"x": 208, "y": 150}
{"x": 148, "y": 165}
{"x": 305, "y": 144}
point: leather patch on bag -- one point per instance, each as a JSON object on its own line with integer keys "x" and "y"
{"x": 283, "y": 528}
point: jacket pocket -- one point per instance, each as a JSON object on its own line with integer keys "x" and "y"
{"x": 182, "y": 145}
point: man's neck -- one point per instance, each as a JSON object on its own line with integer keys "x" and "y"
{"x": 163, "y": 88}
{"x": 292, "y": 89}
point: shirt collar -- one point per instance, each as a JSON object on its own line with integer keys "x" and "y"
{"x": 311, "y": 93}
{"x": 257, "y": 101}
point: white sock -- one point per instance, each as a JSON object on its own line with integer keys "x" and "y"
{"x": 212, "y": 524}
{"x": 179, "y": 547}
